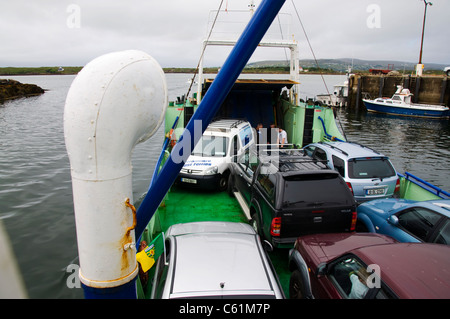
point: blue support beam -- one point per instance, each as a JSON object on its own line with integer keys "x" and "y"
{"x": 213, "y": 99}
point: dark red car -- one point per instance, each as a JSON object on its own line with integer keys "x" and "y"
{"x": 369, "y": 266}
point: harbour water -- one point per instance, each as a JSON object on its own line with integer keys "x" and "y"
{"x": 36, "y": 204}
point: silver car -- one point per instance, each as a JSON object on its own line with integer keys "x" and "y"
{"x": 368, "y": 174}
{"x": 214, "y": 260}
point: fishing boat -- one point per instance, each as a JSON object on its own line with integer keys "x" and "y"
{"x": 338, "y": 98}
{"x": 119, "y": 100}
{"x": 401, "y": 104}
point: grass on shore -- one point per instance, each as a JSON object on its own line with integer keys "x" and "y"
{"x": 10, "y": 71}
{"x": 45, "y": 70}
{"x": 5, "y": 71}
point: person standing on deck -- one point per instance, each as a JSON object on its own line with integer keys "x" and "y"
{"x": 282, "y": 137}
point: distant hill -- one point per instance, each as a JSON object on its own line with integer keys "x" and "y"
{"x": 341, "y": 65}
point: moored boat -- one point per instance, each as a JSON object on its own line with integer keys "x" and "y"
{"x": 400, "y": 104}
{"x": 338, "y": 98}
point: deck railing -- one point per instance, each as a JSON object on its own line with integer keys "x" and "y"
{"x": 425, "y": 185}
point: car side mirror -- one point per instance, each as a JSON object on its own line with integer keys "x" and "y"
{"x": 322, "y": 269}
{"x": 393, "y": 220}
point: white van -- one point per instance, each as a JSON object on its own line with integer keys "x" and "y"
{"x": 208, "y": 165}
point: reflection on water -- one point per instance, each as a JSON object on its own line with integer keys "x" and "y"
{"x": 35, "y": 186}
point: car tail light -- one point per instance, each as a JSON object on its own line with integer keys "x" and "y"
{"x": 397, "y": 186}
{"x": 353, "y": 224}
{"x": 350, "y": 186}
{"x": 275, "y": 227}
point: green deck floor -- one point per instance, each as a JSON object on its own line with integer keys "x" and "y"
{"x": 185, "y": 205}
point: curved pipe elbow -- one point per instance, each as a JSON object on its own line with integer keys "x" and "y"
{"x": 117, "y": 101}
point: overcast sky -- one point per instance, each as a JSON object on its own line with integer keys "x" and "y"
{"x": 73, "y": 32}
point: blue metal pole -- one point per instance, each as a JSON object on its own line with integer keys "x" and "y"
{"x": 214, "y": 97}
{"x": 126, "y": 291}
{"x": 166, "y": 143}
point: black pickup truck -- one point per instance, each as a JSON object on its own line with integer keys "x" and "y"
{"x": 287, "y": 194}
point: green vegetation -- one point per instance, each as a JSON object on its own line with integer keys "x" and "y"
{"x": 267, "y": 69}
{"x": 257, "y": 70}
{"x": 280, "y": 69}
{"x": 45, "y": 70}
{"x": 189, "y": 70}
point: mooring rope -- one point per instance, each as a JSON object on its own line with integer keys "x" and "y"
{"x": 203, "y": 51}
{"x": 317, "y": 63}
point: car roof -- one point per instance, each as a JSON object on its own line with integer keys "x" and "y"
{"x": 443, "y": 206}
{"x": 225, "y": 125}
{"x": 412, "y": 270}
{"x": 294, "y": 162}
{"x": 351, "y": 149}
{"x": 209, "y": 227}
{"x": 328, "y": 246}
{"x": 389, "y": 206}
{"x": 218, "y": 258}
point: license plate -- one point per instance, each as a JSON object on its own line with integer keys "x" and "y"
{"x": 189, "y": 180}
{"x": 376, "y": 191}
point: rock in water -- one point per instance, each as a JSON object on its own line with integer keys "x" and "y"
{"x": 11, "y": 89}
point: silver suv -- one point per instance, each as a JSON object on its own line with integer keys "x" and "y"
{"x": 208, "y": 165}
{"x": 214, "y": 260}
{"x": 368, "y": 174}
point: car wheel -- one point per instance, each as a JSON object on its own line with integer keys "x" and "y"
{"x": 361, "y": 227}
{"x": 230, "y": 186}
{"x": 223, "y": 181}
{"x": 296, "y": 286}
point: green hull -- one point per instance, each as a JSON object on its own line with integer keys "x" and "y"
{"x": 412, "y": 187}
{"x": 304, "y": 124}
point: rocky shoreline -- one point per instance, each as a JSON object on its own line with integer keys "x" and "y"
{"x": 11, "y": 89}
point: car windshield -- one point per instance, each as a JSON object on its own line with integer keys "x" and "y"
{"x": 370, "y": 168}
{"x": 309, "y": 189}
{"x": 211, "y": 146}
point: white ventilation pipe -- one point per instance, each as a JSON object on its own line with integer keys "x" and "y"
{"x": 117, "y": 101}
